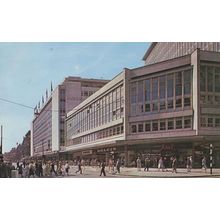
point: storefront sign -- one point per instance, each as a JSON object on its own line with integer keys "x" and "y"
{"x": 87, "y": 152}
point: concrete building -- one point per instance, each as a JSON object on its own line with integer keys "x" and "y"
{"x": 169, "y": 107}
{"x": 47, "y": 129}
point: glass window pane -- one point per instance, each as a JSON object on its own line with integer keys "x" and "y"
{"x": 186, "y": 102}
{"x": 140, "y": 127}
{"x": 147, "y": 107}
{"x": 170, "y": 124}
{"x": 147, "y": 90}
{"x": 210, "y": 78}
{"x": 162, "y": 125}
{"x": 133, "y": 129}
{"x": 217, "y": 82}
{"x": 170, "y": 104}
{"x": 187, "y": 123}
{"x": 147, "y": 126}
{"x": 179, "y": 123}
{"x": 170, "y": 85}
{"x": 210, "y": 122}
{"x": 155, "y": 125}
{"x": 155, "y": 89}
{"x": 178, "y": 103}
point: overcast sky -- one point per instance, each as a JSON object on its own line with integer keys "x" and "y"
{"x": 27, "y": 69}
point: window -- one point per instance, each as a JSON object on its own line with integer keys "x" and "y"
{"x": 179, "y": 123}
{"x": 187, "y": 82}
{"x": 210, "y": 122}
{"x": 179, "y": 103}
{"x": 210, "y": 78}
{"x": 170, "y": 104}
{"x": 147, "y": 90}
{"x": 118, "y": 130}
{"x": 202, "y": 99}
{"x": 186, "y": 102}
{"x": 187, "y": 123}
{"x": 178, "y": 83}
{"x": 155, "y": 106}
{"x": 170, "y": 124}
{"x": 162, "y": 125}
{"x": 203, "y": 122}
{"x": 140, "y": 128}
{"x": 203, "y": 78}
{"x": 147, "y": 107}
{"x": 155, "y": 89}
{"x": 133, "y": 93}
{"x": 217, "y": 99}
{"x": 155, "y": 125}
{"x": 122, "y": 129}
{"x": 162, "y": 87}
{"x": 114, "y": 131}
{"x": 162, "y": 105}
{"x": 147, "y": 126}
{"x": 134, "y": 129}
{"x": 217, "y": 122}
{"x": 217, "y": 82}
{"x": 210, "y": 99}
{"x": 140, "y": 91}
{"x": 170, "y": 86}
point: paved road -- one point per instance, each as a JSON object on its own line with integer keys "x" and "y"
{"x": 90, "y": 172}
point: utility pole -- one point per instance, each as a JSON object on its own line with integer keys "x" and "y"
{"x": 1, "y": 155}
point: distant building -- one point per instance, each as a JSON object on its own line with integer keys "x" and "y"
{"x": 47, "y": 129}
{"x": 169, "y": 107}
{"x": 21, "y": 152}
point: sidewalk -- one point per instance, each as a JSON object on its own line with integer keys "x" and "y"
{"x": 154, "y": 173}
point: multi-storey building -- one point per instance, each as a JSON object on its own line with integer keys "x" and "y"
{"x": 47, "y": 133}
{"x": 170, "y": 106}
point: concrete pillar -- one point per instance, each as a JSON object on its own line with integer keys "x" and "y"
{"x": 195, "y": 62}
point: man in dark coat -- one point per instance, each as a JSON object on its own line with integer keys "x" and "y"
{"x": 103, "y": 168}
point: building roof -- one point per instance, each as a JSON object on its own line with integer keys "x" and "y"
{"x": 149, "y": 50}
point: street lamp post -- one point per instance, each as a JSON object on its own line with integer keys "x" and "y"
{"x": 1, "y": 155}
{"x": 210, "y": 155}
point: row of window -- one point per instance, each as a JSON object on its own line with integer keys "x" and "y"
{"x": 109, "y": 132}
{"x": 210, "y": 79}
{"x": 210, "y": 121}
{"x": 210, "y": 99}
{"x": 162, "y": 125}
{"x": 168, "y": 91}
{"x": 109, "y": 108}
{"x": 87, "y": 93}
{"x": 162, "y": 106}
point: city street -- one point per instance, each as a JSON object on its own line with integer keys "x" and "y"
{"x": 92, "y": 172}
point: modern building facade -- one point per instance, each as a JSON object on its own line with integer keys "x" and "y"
{"x": 48, "y": 133}
{"x": 170, "y": 106}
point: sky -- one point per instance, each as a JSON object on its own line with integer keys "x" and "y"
{"x": 27, "y": 70}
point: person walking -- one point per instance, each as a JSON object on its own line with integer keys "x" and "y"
{"x": 31, "y": 169}
{"x": 174, "y": 165}
{"x": 204, "y": 163}
{"x": 67, "y": 167}
{"x": 138, "y": 164}
{"x": 118, "y": 165}
{"x": 160, "y": 164}
{"x": 102, "y": 169}
{"x": 147, "y": 163}
{"x": 79, "y": 167}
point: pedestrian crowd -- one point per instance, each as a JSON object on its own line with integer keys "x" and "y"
{"x": 163, "y": 163}
{"x": 57, "y": 168}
